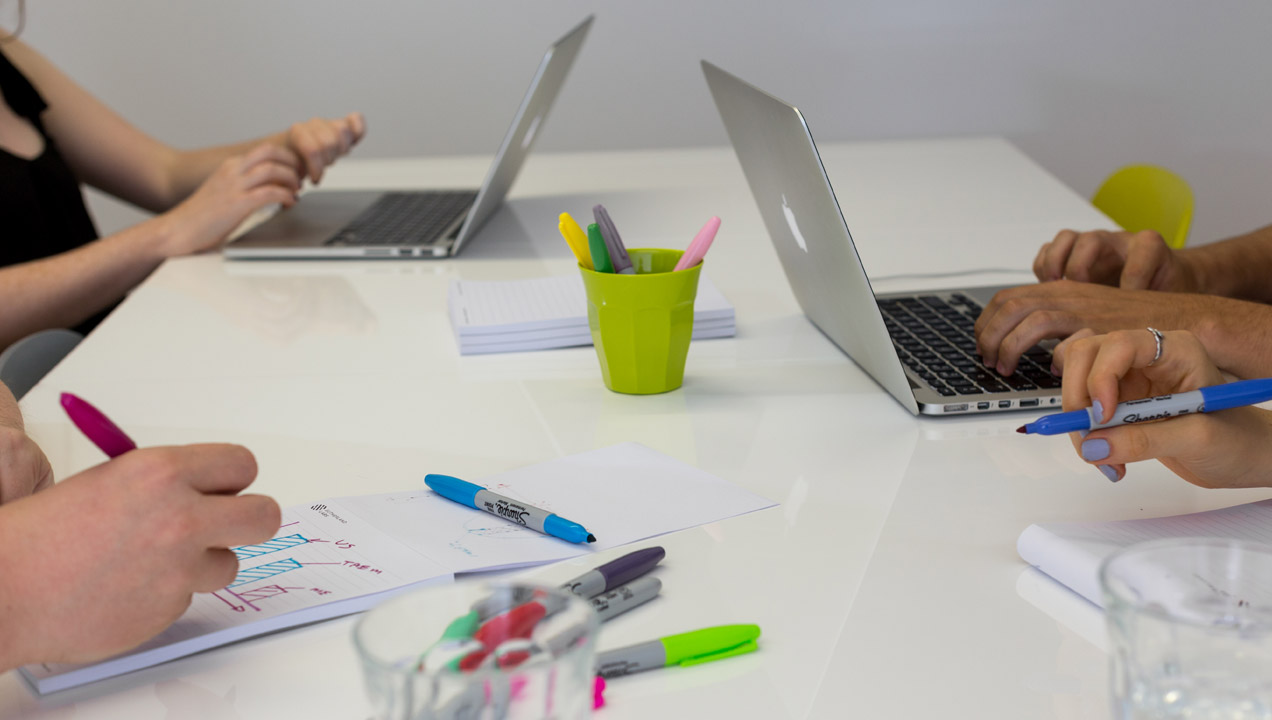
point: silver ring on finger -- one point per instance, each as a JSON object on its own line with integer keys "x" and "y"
{"x": 1157, "y": 335}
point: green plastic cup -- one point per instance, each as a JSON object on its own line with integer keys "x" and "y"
{"x": 641, "y": 324}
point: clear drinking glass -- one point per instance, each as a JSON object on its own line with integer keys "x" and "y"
{"x": 1191, "y": 627}
{"x": 471, "y": 651}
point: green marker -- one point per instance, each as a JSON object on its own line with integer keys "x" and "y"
{"x": 691, "y": 648}
{"x": 596, "y": 245}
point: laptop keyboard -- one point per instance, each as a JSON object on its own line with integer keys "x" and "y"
{"x": 405, "y": 218}
{"x": 933, "y": 337}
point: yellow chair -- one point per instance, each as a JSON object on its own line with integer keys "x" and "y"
{"x": 1147, "y": 197}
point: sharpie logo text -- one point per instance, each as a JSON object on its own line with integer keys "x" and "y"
{"x": 504, "y": 509}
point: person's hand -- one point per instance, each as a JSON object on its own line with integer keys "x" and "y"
{"x": 319, "y": 142}
{"x": 1017, "y": 318}
{"x": 1230, "y": 448}
{"x": 240, "y": 186}
{"x": 1135, "y": 261}
{"x": 110, "y": 557}
{"x": 24, "y": 470}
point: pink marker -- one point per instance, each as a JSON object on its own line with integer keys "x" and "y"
{"x": 97, "y": 427}
{"x": 701, "y": 243}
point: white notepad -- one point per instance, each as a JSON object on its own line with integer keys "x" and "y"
{"x": 551, "y": 312}
{"x": 340, "y": 556}
{"x": 1072, "y": 552}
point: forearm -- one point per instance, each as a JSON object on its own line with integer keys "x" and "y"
{"x": 1239, "y": 267}
{"x": 66, "y": 289}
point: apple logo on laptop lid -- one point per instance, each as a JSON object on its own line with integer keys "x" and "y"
{"x": 790, "y": 220}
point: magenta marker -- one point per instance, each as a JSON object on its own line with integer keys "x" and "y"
{"x": 97, "y": 427}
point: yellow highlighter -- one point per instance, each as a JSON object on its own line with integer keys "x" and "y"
{"x": 577, "y": 240}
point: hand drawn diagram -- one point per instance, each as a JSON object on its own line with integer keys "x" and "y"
{"x": 241, "y": 599}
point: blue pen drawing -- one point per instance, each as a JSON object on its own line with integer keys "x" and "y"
{"x": 261, "y": 572}
{"x": 246, "y": 552}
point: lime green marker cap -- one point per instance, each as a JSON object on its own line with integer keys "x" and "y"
{"x": 709, "y": 644}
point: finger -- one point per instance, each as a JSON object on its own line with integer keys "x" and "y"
{"x": 1146, "y": 254}
{"x": 272, "y": 174}
{"x": 1058, "y": 352}
{"x": 1086, "y": 250}
{"x": 989, "y": 326}
{"x": 229, "y": 521}
{"x": 329, "y": 136}
{"x": 209, "y": 468}
{"x": 1121, "y": 351}
{"x": 1179, "y": 436}
{"x": 214, "y": 569}
{"x": 1079, "y": 357}
{"x": 1037, "y": 325}
{"x": 358, "y": 124}
{"x": 1058, "y": 255}
{"x": 307, "y": 145}
{"x": 269, "y": 152}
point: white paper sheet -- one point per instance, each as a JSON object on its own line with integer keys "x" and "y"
{"x": 622, "y": 494}
{"x": 1072, "y": 552}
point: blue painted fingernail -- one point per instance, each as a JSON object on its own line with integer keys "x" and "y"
{"x": 1109, "y": 472}
{"x": 1099, "y": 414}
{"x": 1096, "y": 449}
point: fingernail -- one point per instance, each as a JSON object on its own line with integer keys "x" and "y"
{"x": 1096, "y": 449}
{"x": 1002, "y": 369}
{"x": 1109, "y": 472}
{"x": 1099, "y": 413}
{"x": 1054, "y": 371}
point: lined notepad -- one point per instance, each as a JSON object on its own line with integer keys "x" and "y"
{"x": 551, "y": 312}
{"x": 1072, "y": 552}
{"x": 340, "y": 556}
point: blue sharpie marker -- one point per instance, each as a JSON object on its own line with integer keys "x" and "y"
{"x": 479, "y": 498}
{"x": 1207, "y": 399}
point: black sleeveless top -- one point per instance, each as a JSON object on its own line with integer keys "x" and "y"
{"x": 42, "y": 210}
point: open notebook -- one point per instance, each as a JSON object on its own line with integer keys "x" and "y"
{"x": 551, "y": 312}
{"x": 340, "y": 556}
{"x": 1072, "y": 552}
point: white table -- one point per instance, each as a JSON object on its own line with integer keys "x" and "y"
{"x": 886, "y": 583}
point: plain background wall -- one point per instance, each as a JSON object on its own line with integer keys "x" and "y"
{"x": 1083, "y": 86}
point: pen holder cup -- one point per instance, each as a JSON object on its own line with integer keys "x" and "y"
{"x": 474, "y": 650}
{"x": 641, "y": 324}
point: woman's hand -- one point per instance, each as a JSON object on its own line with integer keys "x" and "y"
{"x": 1231, "y": 448}
{"x": 319, "y": 142}
{"x": 240, "y": 186}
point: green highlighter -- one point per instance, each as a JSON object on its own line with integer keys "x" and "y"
{"x": 461, "y": 628}
{"x": 596, "y": 246}
{"x": 691, "y": 648}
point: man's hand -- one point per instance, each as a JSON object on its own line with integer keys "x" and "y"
{"x": 110, "y": 557}
{"x": 1237, "y": 334}
{"x": 1135, "y": 261}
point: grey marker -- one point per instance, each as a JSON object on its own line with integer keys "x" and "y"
{"x": 616, "y": 572}
{"x": 624, "y": 598}
{"x": 632, "y": 659}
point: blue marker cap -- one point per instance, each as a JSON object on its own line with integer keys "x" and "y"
{"x": 452, "y": 488}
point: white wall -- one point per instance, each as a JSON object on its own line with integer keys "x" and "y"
{"x": 1083, "y": 86}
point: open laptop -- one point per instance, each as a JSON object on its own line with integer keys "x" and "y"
{"x": 413, "y": 224}
{"x": 918, "y": 346}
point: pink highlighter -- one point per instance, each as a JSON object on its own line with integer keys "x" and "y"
{"x": 701, "y": 243}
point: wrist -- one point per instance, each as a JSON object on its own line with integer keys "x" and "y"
{"x": 1198, "y": 272}
{"x": 13, "y": 649}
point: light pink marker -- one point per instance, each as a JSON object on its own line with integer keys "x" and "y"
{"x": 701, "y": 243}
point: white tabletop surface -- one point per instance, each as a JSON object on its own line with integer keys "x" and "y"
{"x": 886, "y": 581}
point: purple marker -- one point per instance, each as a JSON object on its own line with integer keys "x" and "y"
{"x": 97, "y": 427}
{"x": 619, "y": 258}
{"x": 615, "y": 572}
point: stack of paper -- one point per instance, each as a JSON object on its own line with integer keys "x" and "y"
{"x": 336, "y": 557}
{"x": 551, "y": 312}
{"x": 1072, "y": 552}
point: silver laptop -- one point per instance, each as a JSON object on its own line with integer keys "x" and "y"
{"x": 414, "y": 224}
{"x": 918, "y": 346}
